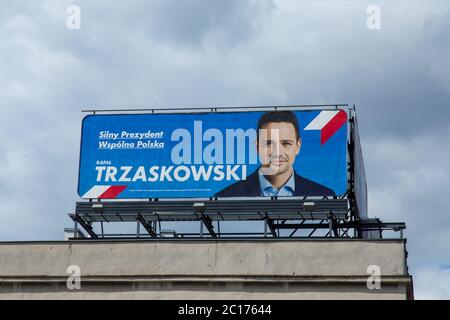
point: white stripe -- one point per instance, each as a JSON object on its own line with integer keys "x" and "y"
{"x": 321, "y": 120}
{"x": 95, "y": 192}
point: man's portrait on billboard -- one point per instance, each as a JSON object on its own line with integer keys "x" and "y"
{"x": 278, "y": 144}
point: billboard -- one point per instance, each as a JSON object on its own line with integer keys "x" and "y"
{"x": 217, "y": 154}
{"x": 360, "y": 183}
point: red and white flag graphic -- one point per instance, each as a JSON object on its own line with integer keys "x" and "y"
{"x": 103, "y": 192}
{"x": 328, "y": 122}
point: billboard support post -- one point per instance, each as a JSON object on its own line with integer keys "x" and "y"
{"x": 138, "y": 225}
{"x": 86, "y": 226}
{"x": 141, "y": 220}
{"x": 75, "y": 227}
{"x": 271, "y": 227}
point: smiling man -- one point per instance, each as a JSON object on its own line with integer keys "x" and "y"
{"x": 278, "y": 145}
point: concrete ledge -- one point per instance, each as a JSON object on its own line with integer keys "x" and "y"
{"x": 203, "y": 291}
{"x": 245, "y": 269}
{"x": 290, "y": 258}
{"x": 208, "y": 279}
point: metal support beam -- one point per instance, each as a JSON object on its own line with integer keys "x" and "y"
{"x": 265, "y": 229}
{"x": 75, "y": 227}
{"x": 333, "y": 225}
{"x": 86, "y": 226}
{"x": 295, "y": 230}
{"x": 218, "y": 228}
{"x": 147, "y": 226}
{"x": 208, "y": 224}
{"x": 320, "y": 225}
{"x": 271, "y": 227}
{"x": 330, "y": 227}
{"x": 138, "y": 229}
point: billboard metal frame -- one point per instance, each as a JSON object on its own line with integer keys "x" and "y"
{"x": 330, "y": 215}
{"x": 336, "y": 215}
{"x": 221, "y": 109}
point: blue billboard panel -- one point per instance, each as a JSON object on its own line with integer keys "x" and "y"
{"x": 202, "y": 155}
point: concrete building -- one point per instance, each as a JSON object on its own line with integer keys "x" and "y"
{"x": 205, "y": 269}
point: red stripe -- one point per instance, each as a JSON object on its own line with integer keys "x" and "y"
{"x": 112, "y": 192}
{"x": 333, "y": 125}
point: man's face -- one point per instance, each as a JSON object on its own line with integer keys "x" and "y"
{"x": 277, "y": 147}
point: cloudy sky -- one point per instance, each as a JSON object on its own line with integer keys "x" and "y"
{"x": 199, "y": 53}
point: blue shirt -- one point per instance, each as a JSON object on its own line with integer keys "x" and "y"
{"x": 267, "y": 190}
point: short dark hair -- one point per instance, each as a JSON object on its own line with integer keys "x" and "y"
{"x": 279, "y": 116}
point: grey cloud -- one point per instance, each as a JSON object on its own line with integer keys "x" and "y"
{"x": 408, "y": 181}
{"x": 179, "y": 23}
{"x": 234, "y": 21}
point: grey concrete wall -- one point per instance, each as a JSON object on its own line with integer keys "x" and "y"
{"x": 313, "y": 269}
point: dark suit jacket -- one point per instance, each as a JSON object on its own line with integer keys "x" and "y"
{"x": 251, "y": 188}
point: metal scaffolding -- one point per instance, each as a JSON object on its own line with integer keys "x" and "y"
{"x": 293, "y": 215}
